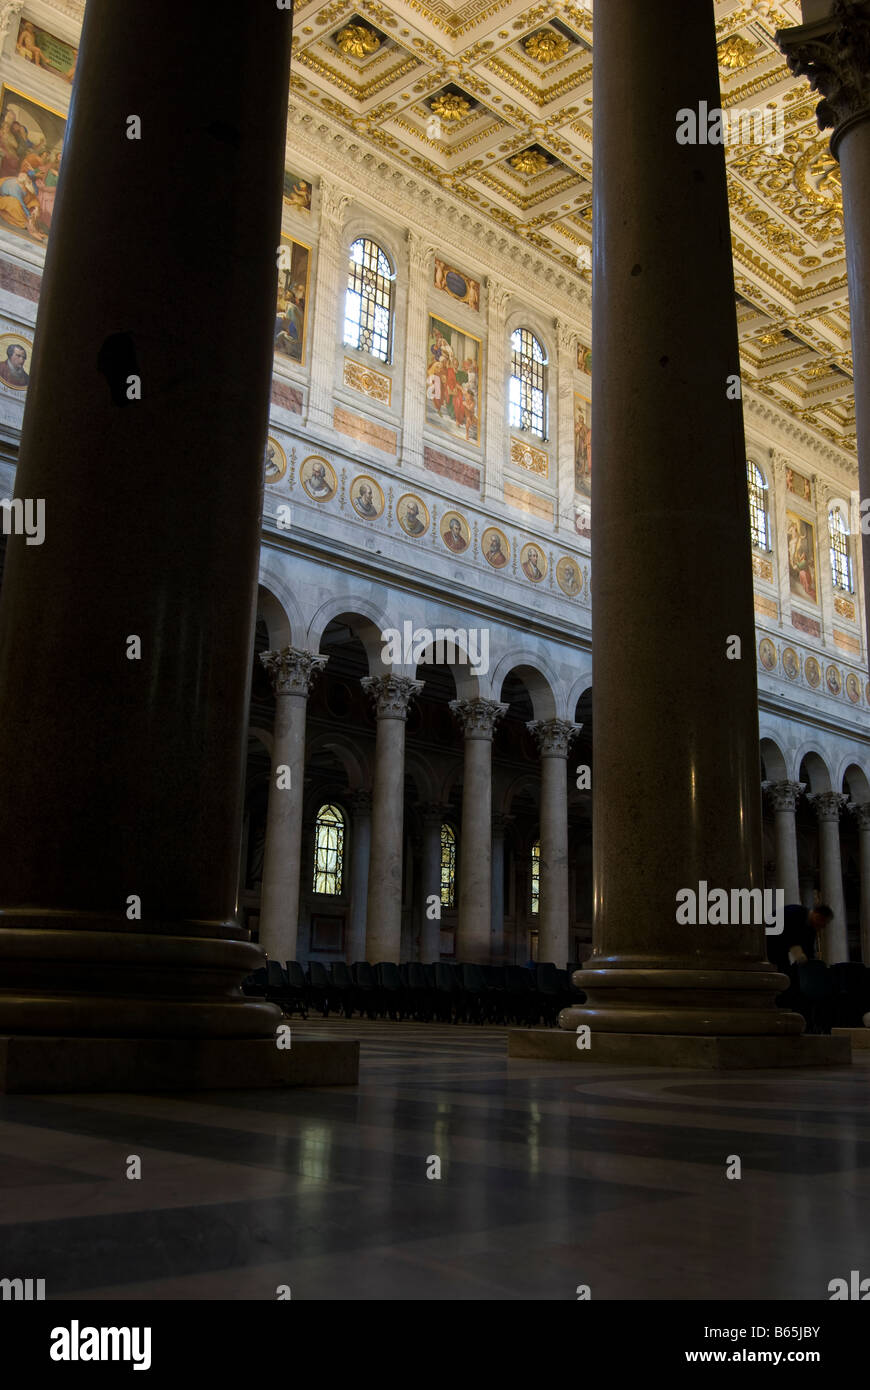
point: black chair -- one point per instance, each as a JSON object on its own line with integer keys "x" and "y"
{"x": 816, "y": 996}
{"x": 297, "y": 989}
{"x": 392, "y": 992}
{"x": 447, "y": 992}
{"x": 495, "y": 995}
{"x": 342, "y": 989}
{"x": 850, "y": 982}
{"x": 367, "y": 991}
{"x": 549, "y": 992}
{"x": 257, "y": 984}
{"x": 420, "y": 992}
{"x": 471, "y": 1001}
{"x": 521, "y": 1003}
{"x": 318, "y": 987}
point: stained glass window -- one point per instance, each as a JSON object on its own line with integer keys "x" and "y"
{"x": 368, "y": 304}
{"x": 759, "y": 525}
{"x": 527, "y": 401}
{"x": 536, "y": 877}
{"x": 841, "y": 559}
{"x": 328, "y": 851}
{"x": 448, "y": 865}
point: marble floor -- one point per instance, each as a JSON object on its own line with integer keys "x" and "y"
{"x": 551, "y": 1176}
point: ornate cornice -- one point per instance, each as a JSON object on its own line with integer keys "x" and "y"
{"x": 834, "y": 54}
{"x": 293, "y": 672}
{"x": 392, "y": 695}
{"x": 478, "y": 717}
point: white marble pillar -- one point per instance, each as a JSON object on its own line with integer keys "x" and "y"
{"x": 420, "y": 253}
{"x": 478, "y": 718}
{"x": 784, "y": 797}
{"x": 862, "y": 815}
{"x": 432, "y": 816}
{"x": 834, "y": 944}
{"x": 566, "y": 345}
{"x": 392, "y": 696}
{"x": 497, "y": 943}
{"x": 325, "y": 329}
{"x": 554, "y": 738}
{"x": 360, "y": 849}
{"x": 292, "y": 672}
{"x": 497, "y": 299}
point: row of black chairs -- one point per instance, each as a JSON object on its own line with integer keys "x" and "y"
{"x": 443, "y": 991}
{"x": 828, "y": 996}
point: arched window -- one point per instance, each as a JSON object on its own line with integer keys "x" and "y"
{"x": 368, "y": 304}
{"x": 536, "y": 877}
{"x": 527, "y": 394}
{"x": 448, "y": 865}
{"x": 758, "y": 519}
{"x": 841, "y": 557}
{"x": 328, "y": 851}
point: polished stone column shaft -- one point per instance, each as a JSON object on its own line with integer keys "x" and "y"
{"x": 126, "y": 638}
{"x": 784, "y": 797}
{"x": 478, "y": 718}
{"x": 360, "y": 854}
{"x": 834, "y": 939}
{"x": 497, "y": 942}
{"x": 834, "y": 53}
{"x": 862, "y": 815}
{"x": 392, "y": 696}
{"x": 676, "y": 791}
{"x": 430, "y": 929}
{"x": 554, "y": 737}
{"x": 293, "y": 673}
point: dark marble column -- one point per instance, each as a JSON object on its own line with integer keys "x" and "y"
{"x": 126, "y": 638}
{"x": 677, "y": 796}
{"x": 833, "y": 51}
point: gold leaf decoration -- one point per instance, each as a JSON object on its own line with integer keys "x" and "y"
{"x": 356, "y": 41}
{"x": 530, "y": 162}
{"x": 736, "y": 53}
{"x": 546, "y": 46}
{"x": 449, "y": 106}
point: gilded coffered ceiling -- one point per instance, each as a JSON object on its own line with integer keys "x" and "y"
{"x": 492, "y": 100}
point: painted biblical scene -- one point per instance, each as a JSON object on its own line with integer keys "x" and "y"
{"x": 457, "y": 285}
{"x": 582, "y": 445}
{"x": 798, "y": 484}
{"x": 31, "y": 143}
{"x": 45, "y": 50}
{"x": 801, "y": 557}
{"x": 453, "y": 381}
{"x": 297, "y": 191}
{"x": 293, "y": 267}
{"x": 15, "y": 361}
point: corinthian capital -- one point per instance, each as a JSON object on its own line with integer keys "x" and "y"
{"x": 9, "y": 12}
{"x": 861, "y": 814}
{"x": 392, "y": 695}
{"x": 498, "y": 296}
{"x": 828, "y": 805}
{"x": 566, "y": 338}
{"x": 293, "y": 672}
{"x": 333, "y": 201}
{"x": 834, "y": 53}
{"x": 784, "y": 796}
{"x": 420, "y": 252}
{"x": 478, "y": 717}
{"x": 553, "y": 736}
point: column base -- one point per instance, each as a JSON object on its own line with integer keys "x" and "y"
{"x": 859, "y": 1037}
{"x": 31, "y": 1065}
{"x": 677, "y": 1050}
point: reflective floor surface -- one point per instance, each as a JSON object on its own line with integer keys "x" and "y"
{"x": 552, "y": 1175}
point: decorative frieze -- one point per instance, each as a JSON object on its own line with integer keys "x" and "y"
{"x": 534, "y": 460}
{"x": 367, "y": 382}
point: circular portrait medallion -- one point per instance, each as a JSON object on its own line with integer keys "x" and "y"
{"x": 318, "y": 478}
{"x": 790, "y": 663}
{"x": 533, "y": 562}
{"x": 813, "y": 672}
{"x": 454, "y": 532}
{"x": 495, "y": 548}
{"x": 767, "y": 653}
{"x": 15, "y": 361}
{"x": 274, "y": 461}
{"x": 568, "y": 576}
{"x": 833, "y": 680}
{"x": 366, "y": 498}
{"x": 853, "y": 687}
{"x": 413, "y": 515}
